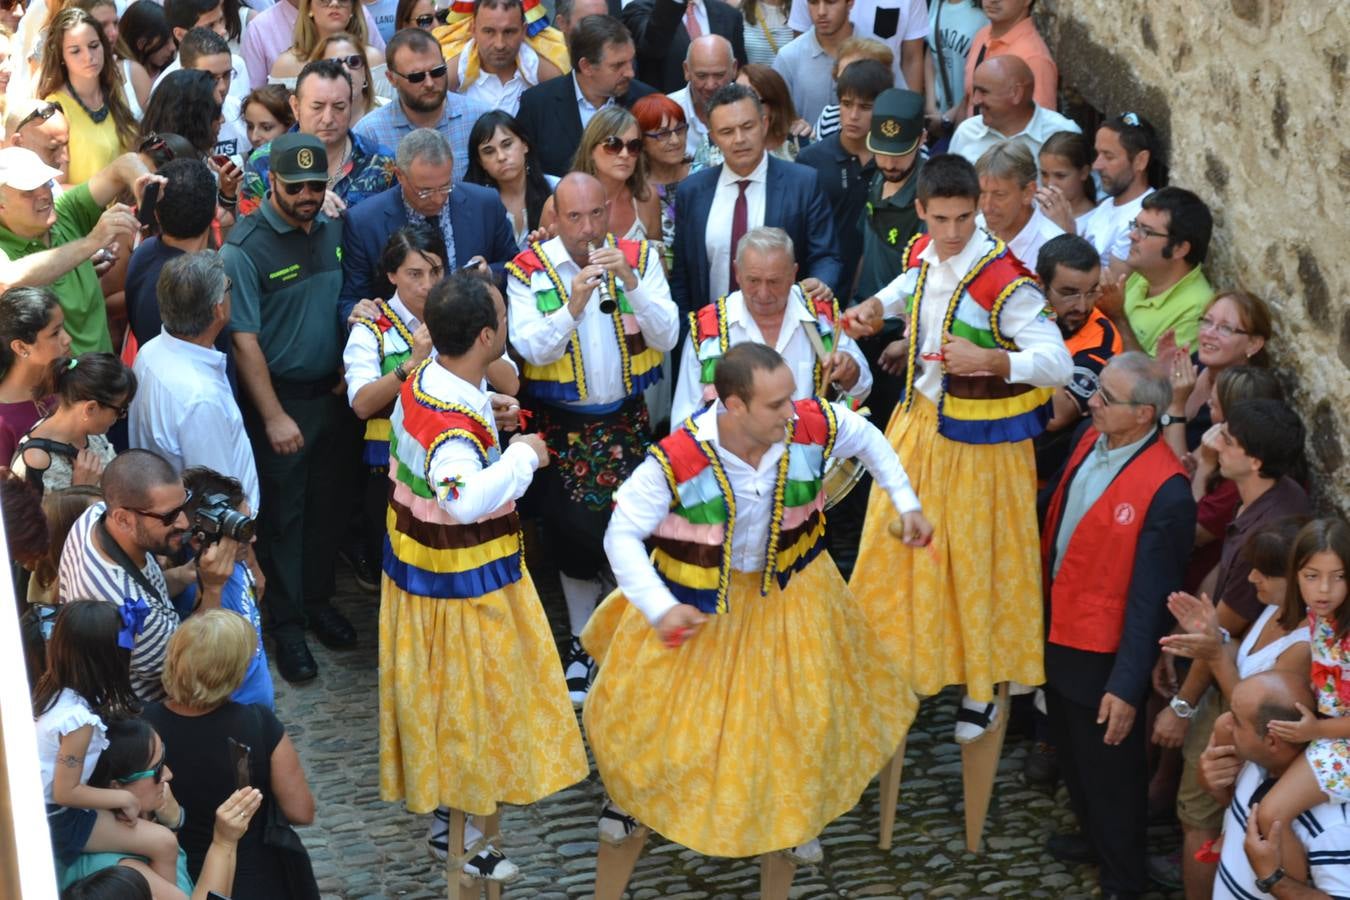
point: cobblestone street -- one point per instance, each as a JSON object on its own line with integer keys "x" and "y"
{"x": 364, "y": 848}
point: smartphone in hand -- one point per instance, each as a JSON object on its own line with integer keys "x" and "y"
{"x": 145, "y": 213}
{"x": 239, "y": 754}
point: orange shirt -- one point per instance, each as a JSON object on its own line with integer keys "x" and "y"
{"x": 1022, "y": 40}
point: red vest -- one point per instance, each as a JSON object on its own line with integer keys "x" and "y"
{"x": 1089, "y": 594}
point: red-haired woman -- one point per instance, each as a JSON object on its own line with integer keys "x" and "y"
{"x": 663, "y": 132}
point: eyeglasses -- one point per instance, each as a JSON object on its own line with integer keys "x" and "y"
{"x": 352, "y": 61}
{"x": 332, "y": 2}
{"x": 1219, "y": 328}
{"x": 614, "y": 145}
{"x": 426, "y": 21}
{"x": 156, "y": 772}
{"x": 419, "y": 77}
{"x": 168, "y": 518}
{"x": 428, "y": 193}
{"x": 1073, "y": 296}
{"x": 1136, "y": 228}
{"x": 1108, "y": 400}
{"x": 121, "y": 410}
{"x": 678, "y": 131}
{"x": 294, "y": 187}
{"x": 43, "y": 112}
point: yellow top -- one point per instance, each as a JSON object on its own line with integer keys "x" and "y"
{"x": 92, "y": 146}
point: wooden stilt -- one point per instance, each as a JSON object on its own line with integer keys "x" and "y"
{"x": 614, "y": 865}
{"x": 979, "y": 765}
{"x": 889, "y": 795}
{"x": 490, "y": 825}
{"x": 776, "y": 872}
{"x": 461, "y": 886}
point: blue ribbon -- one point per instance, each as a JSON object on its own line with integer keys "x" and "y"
{"x": 134, "y": 612}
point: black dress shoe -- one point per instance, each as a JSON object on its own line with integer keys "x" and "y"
{"x": 365, "y": 569}
{"x": 1071, "y": 848}
{"x": 332, "y": 629}
{"x": 294, "y": 661}
{"x": 1041, "y": 766}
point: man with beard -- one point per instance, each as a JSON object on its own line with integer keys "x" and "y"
{"x": 1130, "y": 165}
{"x": 1069, "y": 269}
{"x": 285, "y": 266}
{"x": 418, "y": 71}
{"x": 501, "y": 58}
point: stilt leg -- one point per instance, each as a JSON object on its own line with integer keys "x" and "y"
{"x": 776, "y": 872}
{"x": 490, "y": 825}
{"x": 614, "y": 865}
{"x": 979, "y": 765}
{"x": 462, "y": 887}
{"x": 889, "y": 796}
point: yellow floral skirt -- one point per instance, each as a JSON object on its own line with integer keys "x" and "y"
{"x": 967, "y": 609}
{"x": 473, "y": 707}
{"x": 762, "y": 728}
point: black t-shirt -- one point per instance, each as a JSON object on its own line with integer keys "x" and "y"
{"x": 197, "y": 751}
{"x": 142, "y": 276}
{"x": 844, "y": 180}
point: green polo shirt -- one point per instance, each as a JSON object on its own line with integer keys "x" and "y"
{"x": 1178, "y": 308}
{"x": 888, "y": 224}
{"x": 78, "y": 290}
{"x": 285, "y": 290}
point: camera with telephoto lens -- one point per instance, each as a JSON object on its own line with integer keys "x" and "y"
{"x": 216, "y": 519}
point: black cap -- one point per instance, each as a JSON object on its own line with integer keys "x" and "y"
{"x": 897, "y": 122}
{"x": 298, "y": 157}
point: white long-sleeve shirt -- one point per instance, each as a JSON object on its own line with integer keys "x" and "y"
{"x": 481, "y": 489}
{"x": 361, "y": 356}
{"x": 792, "y": 344}
{"x": 644, "y": 500}
{"x": 542, "y": 339}
{"x": 1041, "y": 359}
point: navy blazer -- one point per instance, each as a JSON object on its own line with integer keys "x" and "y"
{"x": 551, "y": 122}
{"x": 793, "y": 201}
{"x": 476, "y": 215}
{"x": 662, "y": 41}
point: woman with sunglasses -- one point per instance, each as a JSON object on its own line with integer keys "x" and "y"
{"x": 207, "y": 659}
{"x": 134, "y": 761}
{"x": 611, "y": 151}
{"x": 320, "y": 19}
{"x": 664, "y": 130}
{"x": 79, "y": 71}
{"x": 69, "y": 446}
{"x": 421, "y": 14}
{"x": 500, "y": 158}
{"x": 352, "y": 52}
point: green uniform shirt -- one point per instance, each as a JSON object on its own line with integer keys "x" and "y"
{"x": 1178, "y": 308}
{"x": 78, "y": 290}
{"x": 285, "y": 290}
{"x": 887, "y": 228}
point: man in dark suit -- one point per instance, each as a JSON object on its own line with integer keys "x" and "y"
{"x": 554, "y": 114}
{"x": 661, "y": 29}
{"x": 478, "y": 227}
{"x": 1115, "y": 542}
{"x": 749, "y": 189}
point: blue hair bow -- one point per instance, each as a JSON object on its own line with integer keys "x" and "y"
{"x": 134, "y": 612}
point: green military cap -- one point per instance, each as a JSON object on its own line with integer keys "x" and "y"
{"x": 298, "y": 157}
{"x": 897, "y": 122}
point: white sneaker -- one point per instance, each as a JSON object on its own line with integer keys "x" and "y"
{"x": 807, "y": 854}
{"x": 615, "y": 825}
{"x": 974, "y": 719}
{"x": 492, "y": 865}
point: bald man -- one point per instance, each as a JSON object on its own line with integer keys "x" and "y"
{"x": 569, "y": 297}
{"x": 664, "y": 29}
{"x": 41, "y": 126}
{"x": 1004, "y": 94}
{"x": 709, "y": 64}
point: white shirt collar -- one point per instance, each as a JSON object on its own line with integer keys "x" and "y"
{"x": 581, "y": 98}
{"x": 401, "y": 309}
{"x": 976, "y": 247}
{"x": 980, "y": 128}
{"x": 759, "y": 175}
{"x": 797, "y": 309}
{"x": 181, "y": 349}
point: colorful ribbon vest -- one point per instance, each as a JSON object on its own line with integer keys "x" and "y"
{"x": 979, "y": 409}
{"x": 425, "y": 551}
{"x": 692, "y": 545}
{"x": 564, "y": 381}
{"x": 394, "y": 341}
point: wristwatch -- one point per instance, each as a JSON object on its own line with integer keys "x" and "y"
{"x": 1183, "y": 709}
{"x": 1169, "y": 419}
{"x": 1265, "y": 884}
{"x": 401, "y": 371}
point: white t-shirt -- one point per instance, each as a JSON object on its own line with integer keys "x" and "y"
{"x": 959, "y": 23}
{"x": 888, "y": 21}
{"x": 70, "y": 712}
{"x": 1324, "y": 831}
{"x": 1108, "y": 227}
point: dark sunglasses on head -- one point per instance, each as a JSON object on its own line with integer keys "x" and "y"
{"x": 426, "y": 21}
{"x": 294, "y": 187}
{"x": 152, "y": 144}
{"x": 353, "y": 61}
{"x": 43, "y": 112}
{"x": 419, "y": 77}
{"x": 614, "y": 145}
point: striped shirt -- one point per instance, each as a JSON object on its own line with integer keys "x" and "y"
{"x": 85, "y": 574}
{"x": 767, "y": 36}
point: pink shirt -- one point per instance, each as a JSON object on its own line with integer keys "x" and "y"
{"x": 271, "y": 33}
{"x": 1022, "y": 40}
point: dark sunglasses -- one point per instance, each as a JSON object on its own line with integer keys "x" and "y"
{"x": 440, "y": 15}
{"x": 43, "y": 112}
{"x": 419, "y": 77}
{"x": 294, "y": 187}
{"x": 166, "y": 519}
{"x": 614, "y": 145}
{"x": 156, "y": 772}
{"x": 121, "y": 410}
{"x": 354, "y": 61}
{"x": 153, "y": 144}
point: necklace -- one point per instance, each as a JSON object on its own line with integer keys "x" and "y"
{"x": 96, "y": 115}
{"x": 342, "y": 164}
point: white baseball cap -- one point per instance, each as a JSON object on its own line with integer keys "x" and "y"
{"x": 24, "y": 170}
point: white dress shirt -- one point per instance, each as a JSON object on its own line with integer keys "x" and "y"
{"x": 586, "y": 108}
{"x": 542, "y": 339}
{"x": 792, "y": 344}
{"x": 1027, "y": 243}
{"x": 481, "y": 489}
{"x": 1041, "y": 360}
{"x": 491, "y": 90}
{"x": 717, "y": 236}
{"x": 185, "y": 411}
{"x": 361, "y": 356}
{"x": 698, "y": 131}
{"x": 972, "y": 137}
{"x": 644, "y": 500}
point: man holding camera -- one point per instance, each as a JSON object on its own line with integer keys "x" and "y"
{"x": 184, "y": 408}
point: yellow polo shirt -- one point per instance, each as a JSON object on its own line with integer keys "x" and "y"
{"x": 1178, "y": 308}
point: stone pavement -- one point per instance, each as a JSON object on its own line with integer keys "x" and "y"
{"x": 365, "y": 848}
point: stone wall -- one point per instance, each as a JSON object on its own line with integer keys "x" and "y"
{"x": 1251, "y": 95}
